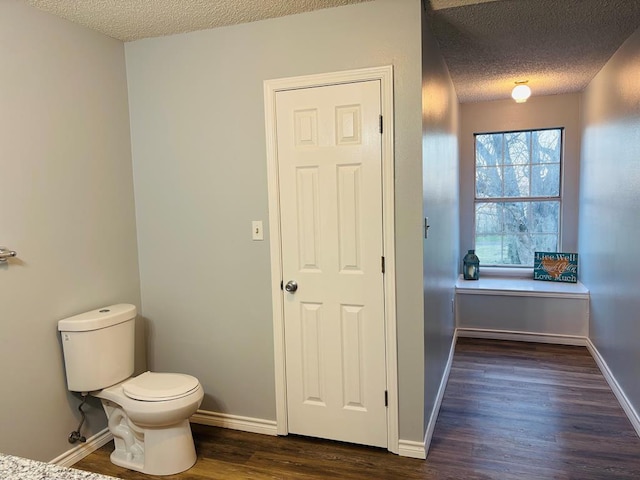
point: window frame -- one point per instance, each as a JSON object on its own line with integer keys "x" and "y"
{"x": 503, "y": 200}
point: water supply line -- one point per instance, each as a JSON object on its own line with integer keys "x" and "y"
{"x": 75, "y": 436}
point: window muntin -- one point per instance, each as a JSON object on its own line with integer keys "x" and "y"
{"x": 517, "y": 195}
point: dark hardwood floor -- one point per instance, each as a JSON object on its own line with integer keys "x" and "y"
{"x": 511, "y": 410}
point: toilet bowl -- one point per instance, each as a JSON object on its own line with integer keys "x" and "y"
{"x": 148, "y": 415}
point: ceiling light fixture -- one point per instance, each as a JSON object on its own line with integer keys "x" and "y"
{"x": 521, "y": 92}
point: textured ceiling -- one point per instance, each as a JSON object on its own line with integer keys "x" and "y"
{"x": 135, "y": 19}
{"x": 557, "y": 45}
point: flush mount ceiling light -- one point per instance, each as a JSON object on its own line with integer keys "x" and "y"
{"x": 521, "y": 92}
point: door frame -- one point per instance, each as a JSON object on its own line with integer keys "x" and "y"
{"x": 383, "y": 74}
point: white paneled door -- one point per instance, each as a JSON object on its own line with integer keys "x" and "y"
{"x": 330, "y": 181}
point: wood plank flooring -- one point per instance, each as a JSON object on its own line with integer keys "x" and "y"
{"x": 511, "y": 410}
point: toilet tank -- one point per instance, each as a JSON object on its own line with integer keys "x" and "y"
{"x": 98, "y": 347}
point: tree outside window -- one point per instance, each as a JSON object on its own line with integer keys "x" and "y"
{"x": 517, "y": 195}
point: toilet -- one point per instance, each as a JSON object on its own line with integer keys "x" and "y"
{"x": 148, "y": 415}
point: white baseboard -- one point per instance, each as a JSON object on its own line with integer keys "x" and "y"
{"x": 522, "y": 336}
{"x": 80, "y": 451}
{"x": 631, "y": 413}
{"x": 443, "y": 385}
{"x": 235, "y": 422}
{"x": 408, "y": 448}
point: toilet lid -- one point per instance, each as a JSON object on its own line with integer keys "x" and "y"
{"x": 156, "y": 387}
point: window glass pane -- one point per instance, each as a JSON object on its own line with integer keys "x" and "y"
{"x": 545, "y": 217}
{"x": 517, "y": 250}
{"x": 488, "y": 182}
{"x": 489, "y": 149}
{"x": 517, "y": 148}
{"x": 488, "y": 218}
{"x": 546, "y": 146}
{"x": 516, "y": 217}
{"x": 489, "y": 249}
{"x": 545, "y": 181}
{"x": 516, "y": 181}
{"x": 545, "y": 243}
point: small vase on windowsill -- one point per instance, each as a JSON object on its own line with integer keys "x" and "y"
{"x": 471, "y": 266}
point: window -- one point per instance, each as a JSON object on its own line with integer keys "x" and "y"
{"x": 517, "y": 197}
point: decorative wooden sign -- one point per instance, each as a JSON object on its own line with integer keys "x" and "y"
{"x": 555, "y": 267}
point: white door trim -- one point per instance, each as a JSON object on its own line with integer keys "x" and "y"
{"x": 271, "y": 87}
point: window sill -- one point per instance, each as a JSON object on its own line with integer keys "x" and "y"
{"x": 520, "y": 286}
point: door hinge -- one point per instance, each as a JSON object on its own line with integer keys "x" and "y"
{"x": 382, "y": 264}
{"x": 386, "y": 398}
{"x": 381, "y": 124}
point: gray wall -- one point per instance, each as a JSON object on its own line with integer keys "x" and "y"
{"x": 67, "y": 208}
{"x": 609, "y": 217}
{"x": 440, "y": 204}
{"x": 199, "y": 159}
{"x": 503, "y": 115}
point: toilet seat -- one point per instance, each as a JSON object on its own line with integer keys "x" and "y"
{"x": 159, "y": 387}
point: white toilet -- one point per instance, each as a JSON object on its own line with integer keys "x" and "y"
{"x": 148, "y": 414}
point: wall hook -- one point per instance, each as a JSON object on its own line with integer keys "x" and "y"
{"x": 5, "y": 253}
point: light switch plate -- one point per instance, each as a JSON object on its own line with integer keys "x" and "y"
{"x": 256, "y": 230}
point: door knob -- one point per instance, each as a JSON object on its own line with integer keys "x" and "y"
{"x": 291, "y": 286}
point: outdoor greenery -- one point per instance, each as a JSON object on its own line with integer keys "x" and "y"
{"x": 517, "y": 195}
